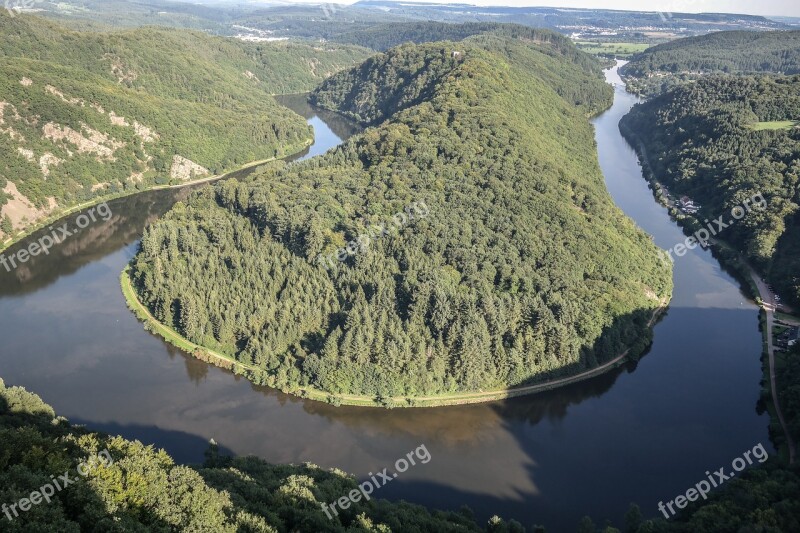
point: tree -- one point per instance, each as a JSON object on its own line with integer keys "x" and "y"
{"x": 633, "y": 519}
{"x": 586, "y": 525}
{"x": 6, "y": 226}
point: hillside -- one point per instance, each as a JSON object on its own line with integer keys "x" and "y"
{"x": 377, "y": 83}
{"x": 484, "y": 249}
{"x": 716, "y": 141}
{"x": 291, "y": 67}
{"x": 726, "y": 52}
{"x": 388, "y": 35}
{"x": 90, "y": 114}
{"x": 139, "y": 488}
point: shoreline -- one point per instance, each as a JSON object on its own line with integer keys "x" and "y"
{"x": 748, "y": 278}
{"x": 203, "y": 353}
{"x": 50, "y": 219}
{"x": 191, "y": 349}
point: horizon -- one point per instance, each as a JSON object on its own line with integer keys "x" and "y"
{"x": 767, "y": 8}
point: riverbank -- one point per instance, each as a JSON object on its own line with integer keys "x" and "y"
{"x": 207, "y": 355}
{"x": 750, "y": 280}
{"x": 58, "y": 215}
{"x": 67, "y": 331}
{"x": 726, "y": 255}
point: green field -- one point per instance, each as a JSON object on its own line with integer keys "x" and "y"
{"x": 617, "y": 49}
{"x": 786, "y": 317}
{"x": 774, "y": 125}
{"x": 777, "y": 330}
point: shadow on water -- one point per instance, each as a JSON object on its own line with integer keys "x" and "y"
{"x": 129, "y": 217}
{"x": 131, "y": 214}
{"x": 184, "y": 448}
{"x": 589, "y": 448}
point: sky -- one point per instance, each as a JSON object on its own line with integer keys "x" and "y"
{"x": 786, "y": 8}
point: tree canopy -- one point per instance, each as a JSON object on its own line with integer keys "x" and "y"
{"x": 703, "y": 140}
{"x": 721, "y": 52}
{"x": 524, "y": 268}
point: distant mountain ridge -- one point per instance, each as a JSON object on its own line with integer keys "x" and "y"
{"x": 331, "y": 21}
{"x": 728, "y": 52}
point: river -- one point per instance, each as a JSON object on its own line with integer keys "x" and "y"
{"x": 643, "y": 433}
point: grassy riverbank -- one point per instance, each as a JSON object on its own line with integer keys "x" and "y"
{"x": 223, "y": 361}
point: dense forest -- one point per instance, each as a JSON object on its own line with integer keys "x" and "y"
{"x": 723, "y": 139}
{"x": 363, "y": 95}
{"x": 388, "y": 35}
{"x": 521, "y": 269}
{"x": 661, "y": 67}
{"x": 88, "y": 114}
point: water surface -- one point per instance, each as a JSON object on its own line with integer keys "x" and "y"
{"x": 643, "y": 433}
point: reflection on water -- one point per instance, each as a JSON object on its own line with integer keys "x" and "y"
{"x": 130, "y": 215}
{"x": 640, "y": 433}
{"x": 329, "y": 128}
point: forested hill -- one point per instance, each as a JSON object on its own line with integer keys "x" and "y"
{"x": 723, "y": 139}
{"x": 140, "y": 488}
{"x": 90, "y": 114}
{"x": 377, "y": 88}
{"x": 479, "y": 247}
{"x": 730, "y": 52}
{"x": 384, "y": 36}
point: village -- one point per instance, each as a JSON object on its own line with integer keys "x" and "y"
{"x": 687, "y": 205}
{"x": 788, "y": 337}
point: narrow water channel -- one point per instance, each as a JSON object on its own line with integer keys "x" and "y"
{"x": 638, "y": 434}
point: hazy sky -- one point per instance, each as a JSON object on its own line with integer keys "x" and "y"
{"x": 788, "y": 8}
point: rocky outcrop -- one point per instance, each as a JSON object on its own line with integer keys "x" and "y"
{"x": 94, "y": 141}
{"x": 185, "y": 169}
{"x": 19, "y": 209}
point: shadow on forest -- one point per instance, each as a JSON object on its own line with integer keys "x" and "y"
{"x": 23, "y": 472}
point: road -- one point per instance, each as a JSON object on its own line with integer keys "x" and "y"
{"x": 769, "y": 308}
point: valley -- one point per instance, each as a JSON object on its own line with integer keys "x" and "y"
{"x": 297, "y": 241}
{"x": 158, "y": 394}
